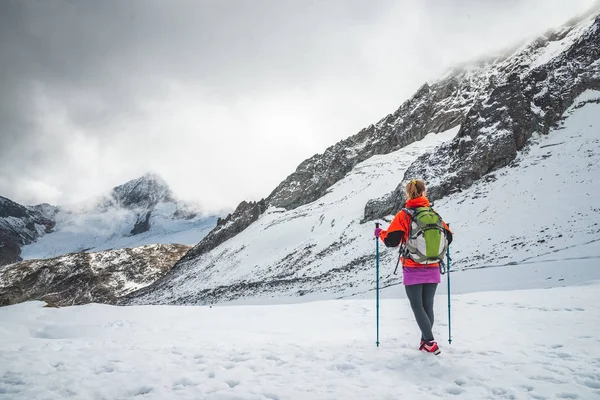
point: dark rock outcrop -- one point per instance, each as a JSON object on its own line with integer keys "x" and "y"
{"x": 10, "y": 250}
{"x": 142, "y": 224}
{"x": 19, "y": 226}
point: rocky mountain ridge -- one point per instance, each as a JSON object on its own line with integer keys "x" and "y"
{"x": 532, "y": 92}
{"x": 498, "y": 103}
{"x": 81, "y": 278}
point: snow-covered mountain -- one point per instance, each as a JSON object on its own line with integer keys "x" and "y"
{"x": 510, "y": 149}
{"x": 142, "y": 211}
{"x": 20, "y": 225}
{"x": 81, "y": 278}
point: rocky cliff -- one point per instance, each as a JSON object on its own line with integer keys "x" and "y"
{"x": 19, "y": 226}
{"x": 531, "y": 91}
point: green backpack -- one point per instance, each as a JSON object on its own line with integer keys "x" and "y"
{"x": 427, "y": 241}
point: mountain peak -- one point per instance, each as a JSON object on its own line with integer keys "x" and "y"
{"x": 143, "y": 192}
{"x": 151, "y": 177}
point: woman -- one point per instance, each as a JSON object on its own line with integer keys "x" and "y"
{"x": 420, "y": 280}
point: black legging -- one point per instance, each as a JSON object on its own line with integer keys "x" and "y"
{"x": 421, "y": 302}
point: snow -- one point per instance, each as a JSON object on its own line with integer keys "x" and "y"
{"x": 530, "y": 344}
{"x": 557, "y": 47}
{"x": 588, "y": 96}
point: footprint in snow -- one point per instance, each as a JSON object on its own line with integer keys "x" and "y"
{"x": 104, "y": 369}
{"x": 454, "y": 391}
{"x": 460, "y": 382}
{"x": 546, "y": 379}
{"x": 591, "y": 384}
{"x": 232, "y": 383}
{"x": 561, "y": 355}
{"x": 183, "y": 383}
{"x": 567, "y": 396}
{"x": 142, "y": 390}
{"x": 529, "y": 388}
{"x": 503, "y": 393}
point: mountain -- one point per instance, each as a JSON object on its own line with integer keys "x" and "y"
{"x": 144, "y": 192}
{"x": 20, "y": 226}
{"x": 141, "y": 211}
{"x": 508, "y": 146}
{"x": 81, "y": 278}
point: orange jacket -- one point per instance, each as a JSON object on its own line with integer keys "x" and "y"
{"x": 398, "y": 230}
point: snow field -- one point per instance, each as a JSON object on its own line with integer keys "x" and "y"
{"x": 530, "y": 344}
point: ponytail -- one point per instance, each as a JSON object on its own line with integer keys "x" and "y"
{"x": 415, "y": 188}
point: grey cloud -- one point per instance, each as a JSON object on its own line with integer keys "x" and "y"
{"x": 87, "y": 96}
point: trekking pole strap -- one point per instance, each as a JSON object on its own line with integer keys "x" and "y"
{"x": 400, "y": 253}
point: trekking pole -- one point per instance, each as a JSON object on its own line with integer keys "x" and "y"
{"x": 448, "y": 259}
{"x": 377, "y": 282}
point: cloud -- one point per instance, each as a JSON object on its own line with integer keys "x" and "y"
{"x": 223, "y": 99}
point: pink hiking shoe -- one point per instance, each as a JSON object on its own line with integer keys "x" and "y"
{"x": 430, "y": 347}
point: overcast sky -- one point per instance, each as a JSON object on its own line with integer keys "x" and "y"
{"x": 223, "y": 99}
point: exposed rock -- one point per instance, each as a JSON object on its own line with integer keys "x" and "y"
{"x": 245, "y": 214}
{"x": 499, "y": 125}
{"x": 145, "y": 192}
{"x": 10, "y": 250}
{"x": 142, "y": 224}
{"x": 19, "y": 225}
{"x": 81, "y": 278}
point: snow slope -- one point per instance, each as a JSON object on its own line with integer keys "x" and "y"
{"x": 544, "y": 202}
{"x": 531, "y": 344}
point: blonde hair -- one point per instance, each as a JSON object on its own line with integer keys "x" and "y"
{"x": 415, "y": 188}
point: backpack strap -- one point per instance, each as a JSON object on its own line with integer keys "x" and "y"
{"x": 411, "y": 212}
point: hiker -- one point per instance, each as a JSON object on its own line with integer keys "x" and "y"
{"x": 421, "y": 271}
